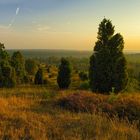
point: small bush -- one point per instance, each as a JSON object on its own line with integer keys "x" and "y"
{"x": 83, "y": 76}
{"x": 8, "y": 77}
{"x": 45, "y": 81}
{"x": 132, "y": 86}
{"x": 84, "y": 85}
{"x": 26, "y": 79}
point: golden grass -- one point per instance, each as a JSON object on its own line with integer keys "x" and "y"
{"x": 29, "y": 113}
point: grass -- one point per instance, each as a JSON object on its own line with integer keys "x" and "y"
{"x": 31, "y": 113}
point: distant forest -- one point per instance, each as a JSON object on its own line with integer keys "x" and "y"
{"x": 45, "y": 53}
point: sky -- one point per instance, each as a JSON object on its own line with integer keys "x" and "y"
{"x": 66, "y": 24}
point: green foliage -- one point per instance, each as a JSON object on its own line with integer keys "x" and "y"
{"x": 39, "y": 77}
{"x": 48, "y": 95}
{"x": 27, "y": 79}
{"x": 31, "y": 66}
{"x": 84, "y": 85}
{"x": 132, "y": 86}
{"x": 7, "y": 73}
{"x": 112, "y": 97}
{"x": 83, "y": 76}
{"x": 8, "y": 77}
{"x": 18, "y": 62}
{"x": 108, "y": 64}
{"x": 64, "y": 74}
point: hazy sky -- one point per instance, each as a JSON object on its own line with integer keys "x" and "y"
{"x": 66, "y": 24}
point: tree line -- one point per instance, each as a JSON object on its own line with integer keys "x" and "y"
{"x": 107, "y": 71}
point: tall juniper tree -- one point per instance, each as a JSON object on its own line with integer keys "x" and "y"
{"x": 107, "y": 64}
{"x": 64, "y": 74}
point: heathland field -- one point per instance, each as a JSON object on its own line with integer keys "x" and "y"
{"x": 36, "y": 113}
{"x": 33, "y": 106}
{"x": 59, "y": 80}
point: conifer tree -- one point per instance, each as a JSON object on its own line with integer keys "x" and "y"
{"x": 107, "y": 64}
{"x": 18, "y": 62}
{"x": 64, "y": 74}
{"x": 7, "y": 73}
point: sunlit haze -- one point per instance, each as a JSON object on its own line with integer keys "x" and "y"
{"x": 66, "y": 24}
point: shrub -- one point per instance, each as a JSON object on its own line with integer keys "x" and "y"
{"x": 39, "y": 77}
{"x": 84, "y": 85}
{"x": 83, "y": 76}
{"x": 133, "y": 85}
{"x": 8, "y": 77}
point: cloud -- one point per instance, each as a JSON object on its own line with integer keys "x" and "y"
{"x": 14, "y": 18}
{"x": 5, "y": 28}
{"x": 12, "y": 22}
{"x": 17, "y": 11}
{"x": 43, "y": 28}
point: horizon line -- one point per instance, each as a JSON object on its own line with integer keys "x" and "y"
{"x": 128, "y": 50}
